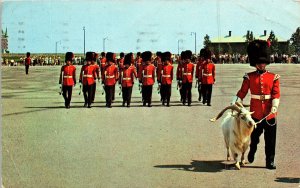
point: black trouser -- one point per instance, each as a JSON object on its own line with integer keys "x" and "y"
{"x": 206, "y": 93}
{"x": 67, "y": 94}
{"x": 187, "y": 92}
{"x": 113, "y": 92}
{"x": 166, "y": 92}
{"x": 93, "y": 92}
{"x": 109, "y": 92}
{"x": 147, "y": 94}
{"x": 26, "y": 68}
{"x": 126, "y": 94}
{"x": 180, "y": 91}
{"x": 87, "y": 93}
{"x": 199, "y": 90}
{"x": 270, "y": 138}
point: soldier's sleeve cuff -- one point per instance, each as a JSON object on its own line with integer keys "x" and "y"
{"x": 275, "y": 103}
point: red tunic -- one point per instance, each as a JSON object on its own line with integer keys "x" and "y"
{"x": 188, "y": 71}
{"x": 147, "y": 74}
{"x": 88, "y": 74}
{"x": 265, "y": 85}
{"x": 167, "y": 75}
{"x": 127, "y": 76}
{"x": 110, "y": 75}
{"x": 27, "y": 61}
{"x": 207, "y": 73}
{"x": 69, "y": 78}
{"x": 102, "y": 64}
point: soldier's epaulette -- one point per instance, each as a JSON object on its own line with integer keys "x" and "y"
{"x": 246, "y": 76}
{"x": 276, "y": 77}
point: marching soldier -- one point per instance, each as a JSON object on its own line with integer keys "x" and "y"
{"x": 265, "y": 94}
{"x": 198, "y": 66}
{"x": 27, "y": 62}
{"x": 97, "y": 68}
{"x": 110, "y": 77}
{"x": 127, "y": 76}
{"x": 179, "y": 73}
{"x": 207, "y": 77}
{"x": 68, "y": 78}
{"x": 87, "y": 78}
{"x": 187, "y": 78}
{"x": 166, "y": 78}
{"x": 120, "y": 61}
{"x": 147, "y": 78}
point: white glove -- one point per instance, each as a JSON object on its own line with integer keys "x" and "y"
{"x": 275, "y": 104}
{"x": 236, "y": 99}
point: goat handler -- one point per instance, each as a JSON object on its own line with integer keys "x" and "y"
{"x": 265, "y": 94}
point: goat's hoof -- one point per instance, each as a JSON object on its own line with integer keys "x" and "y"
{"x": 243, "y": 163}
{"x": 213, "y": 119}
{"x": 237, "y": 166}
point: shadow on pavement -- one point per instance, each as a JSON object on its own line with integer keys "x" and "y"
{"x": 287, "y": 180}
{"x": 197, "y": 166}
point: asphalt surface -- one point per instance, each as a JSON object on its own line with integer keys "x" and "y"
{"x": 46, "y": 145}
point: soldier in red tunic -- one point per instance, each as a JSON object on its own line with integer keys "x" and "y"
{"x": 87, "y": 78}
{"x": 207, "y": 77}
{"x": 27, "y": 62}
{"x": 159, "y": 66}
{"x": 198, "y": 66}
{"x": 97, "y": 67}
{"x": 166, "y": 78}
{"x": 187, "y": 78}
{"x": 102, "y": 62}
{"x": 109, "y": 78}
{"x": 265, "y": 94}
{"x": 147, "y": 77}
{"x": 127, "y": 76}
{"x": 68, "y": 78}
{"x": 138, "y": 61}
{"x": 120, "y": 61}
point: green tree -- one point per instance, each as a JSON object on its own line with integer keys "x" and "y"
{"x": 274, "y": 43}
{"x": 295, "y": 40}
{"x": 207, "y": 42}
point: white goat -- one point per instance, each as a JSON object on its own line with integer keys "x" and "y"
{"x": 237, "y": 127}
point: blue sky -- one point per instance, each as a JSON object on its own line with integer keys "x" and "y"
{"x": 133, "y": 25}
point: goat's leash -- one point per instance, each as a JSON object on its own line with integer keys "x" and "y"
{"x": 265, "y": 118}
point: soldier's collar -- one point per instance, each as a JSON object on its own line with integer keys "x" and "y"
{"x": 261, "y": 71}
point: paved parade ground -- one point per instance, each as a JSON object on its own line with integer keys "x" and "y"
{"x": 46, "y": 145}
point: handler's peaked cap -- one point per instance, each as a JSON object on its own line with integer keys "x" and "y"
{"x": 89, "y": 56}
{"x": 146, "y": 56}
{"x": 69, "y": 56}
{"x": 258, "y": 52}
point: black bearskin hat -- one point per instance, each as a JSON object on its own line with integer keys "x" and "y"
{"x": 182, "y": 55}
{"x": 146, "y": 56}
{"x": 188, "y": 54}
{"x": 166, "y": 56}
{"x": 127, "y": 59}
{"x": 258, "y": 52}
{"x": 69, "y": 56}
{"x": 110, "y": 56}
{"x": 202, "y": 52}
{"x": 207, "y": 53}
{"x": 89, "y": 56}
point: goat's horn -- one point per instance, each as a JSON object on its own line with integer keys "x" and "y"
{"x": 232, "y": 107}
{"x": 239, "y": 104}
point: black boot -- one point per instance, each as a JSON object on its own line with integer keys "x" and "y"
{"x": 270, "y": 165}
{"x": 251, "y": 155}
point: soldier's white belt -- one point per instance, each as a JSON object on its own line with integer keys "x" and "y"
{"x": 88, "y": 76}
{"x": 207, "y": 74}
{"x": 68, "y": 76}
{"x": 260, "y": 97}
{"x": 147, "y": 76}
{"x": 109, "y": 76}
{"x": 167, "y": 76}
{"x": 187, "y": 73}
{"x": 126, "y": 78}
